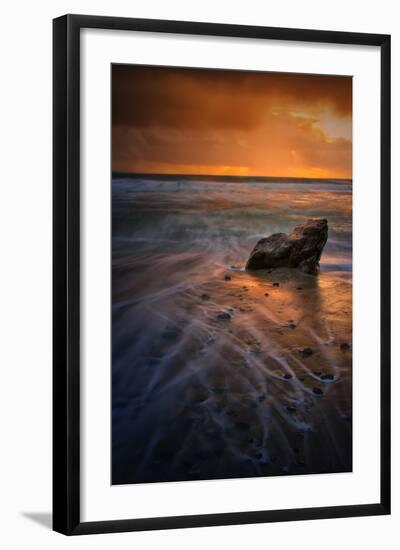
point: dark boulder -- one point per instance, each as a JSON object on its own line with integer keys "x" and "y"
{"x": 301, "y": 249}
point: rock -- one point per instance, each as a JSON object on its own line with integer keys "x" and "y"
{"x": 227, "y": 277}
{"x": 224, "y": 315}
{"x": 306, "y": 352}
{"x": 266, "y": 294}
{"x": 327, "y": 377}
{"x": 287, "y": 376}
{"x": 205, "y": 296}
{"x": 301, "y": 249}
{"x": 275, "y": 284}
{"x": 291, "y": 409}
{"x": 317, "y": 391}
{"x": 344, "y": 347}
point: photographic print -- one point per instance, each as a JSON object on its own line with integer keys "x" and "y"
{"x": 231, "y": 274}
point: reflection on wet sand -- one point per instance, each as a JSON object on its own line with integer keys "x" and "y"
{"x": 219, "y": 372}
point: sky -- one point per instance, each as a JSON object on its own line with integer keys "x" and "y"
{"x": 239, "y": 123}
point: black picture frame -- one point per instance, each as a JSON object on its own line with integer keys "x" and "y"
{"x": 66, "y": 273}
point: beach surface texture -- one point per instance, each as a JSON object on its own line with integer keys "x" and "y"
{"x": 219, "y": 371}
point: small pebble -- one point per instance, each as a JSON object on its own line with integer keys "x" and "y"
{"x": 291, "y": 409}
{"x": 287, "y": 376}
{"x": 306, "y": 352}
{"x": 344, "y": 347}
{"x": 227, "y": 277}
{"x": 205, "y": 296}
{"x": 266, "y": 294}
{"x": 327, "y": 377}
{"x": 224, "y": 315}
{"x": 299, "y": 288}
{"x": 317, "y": 391}
{"x": 275, "y": 284}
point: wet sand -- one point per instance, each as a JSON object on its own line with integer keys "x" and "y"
{"x": 221, "y": 373}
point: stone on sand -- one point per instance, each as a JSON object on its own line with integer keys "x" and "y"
{"x": 224, "y": 315}
{"x": 300, "y": 249}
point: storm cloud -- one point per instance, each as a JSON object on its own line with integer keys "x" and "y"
{"x": 204, "y": 121}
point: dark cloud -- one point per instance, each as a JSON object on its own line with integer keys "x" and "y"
{"x": 196, "y": 117}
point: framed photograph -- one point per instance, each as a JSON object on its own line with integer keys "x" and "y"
{"x": 221, "y": 274}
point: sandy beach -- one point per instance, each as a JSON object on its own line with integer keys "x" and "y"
{"x": 219, "y": 372}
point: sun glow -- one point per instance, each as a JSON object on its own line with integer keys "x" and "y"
{"x": 196, "y": 121}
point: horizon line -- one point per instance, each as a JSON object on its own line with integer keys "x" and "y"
{"x": 175, "y": 174}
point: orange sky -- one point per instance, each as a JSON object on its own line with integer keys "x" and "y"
{"x": 202, "y": 121}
